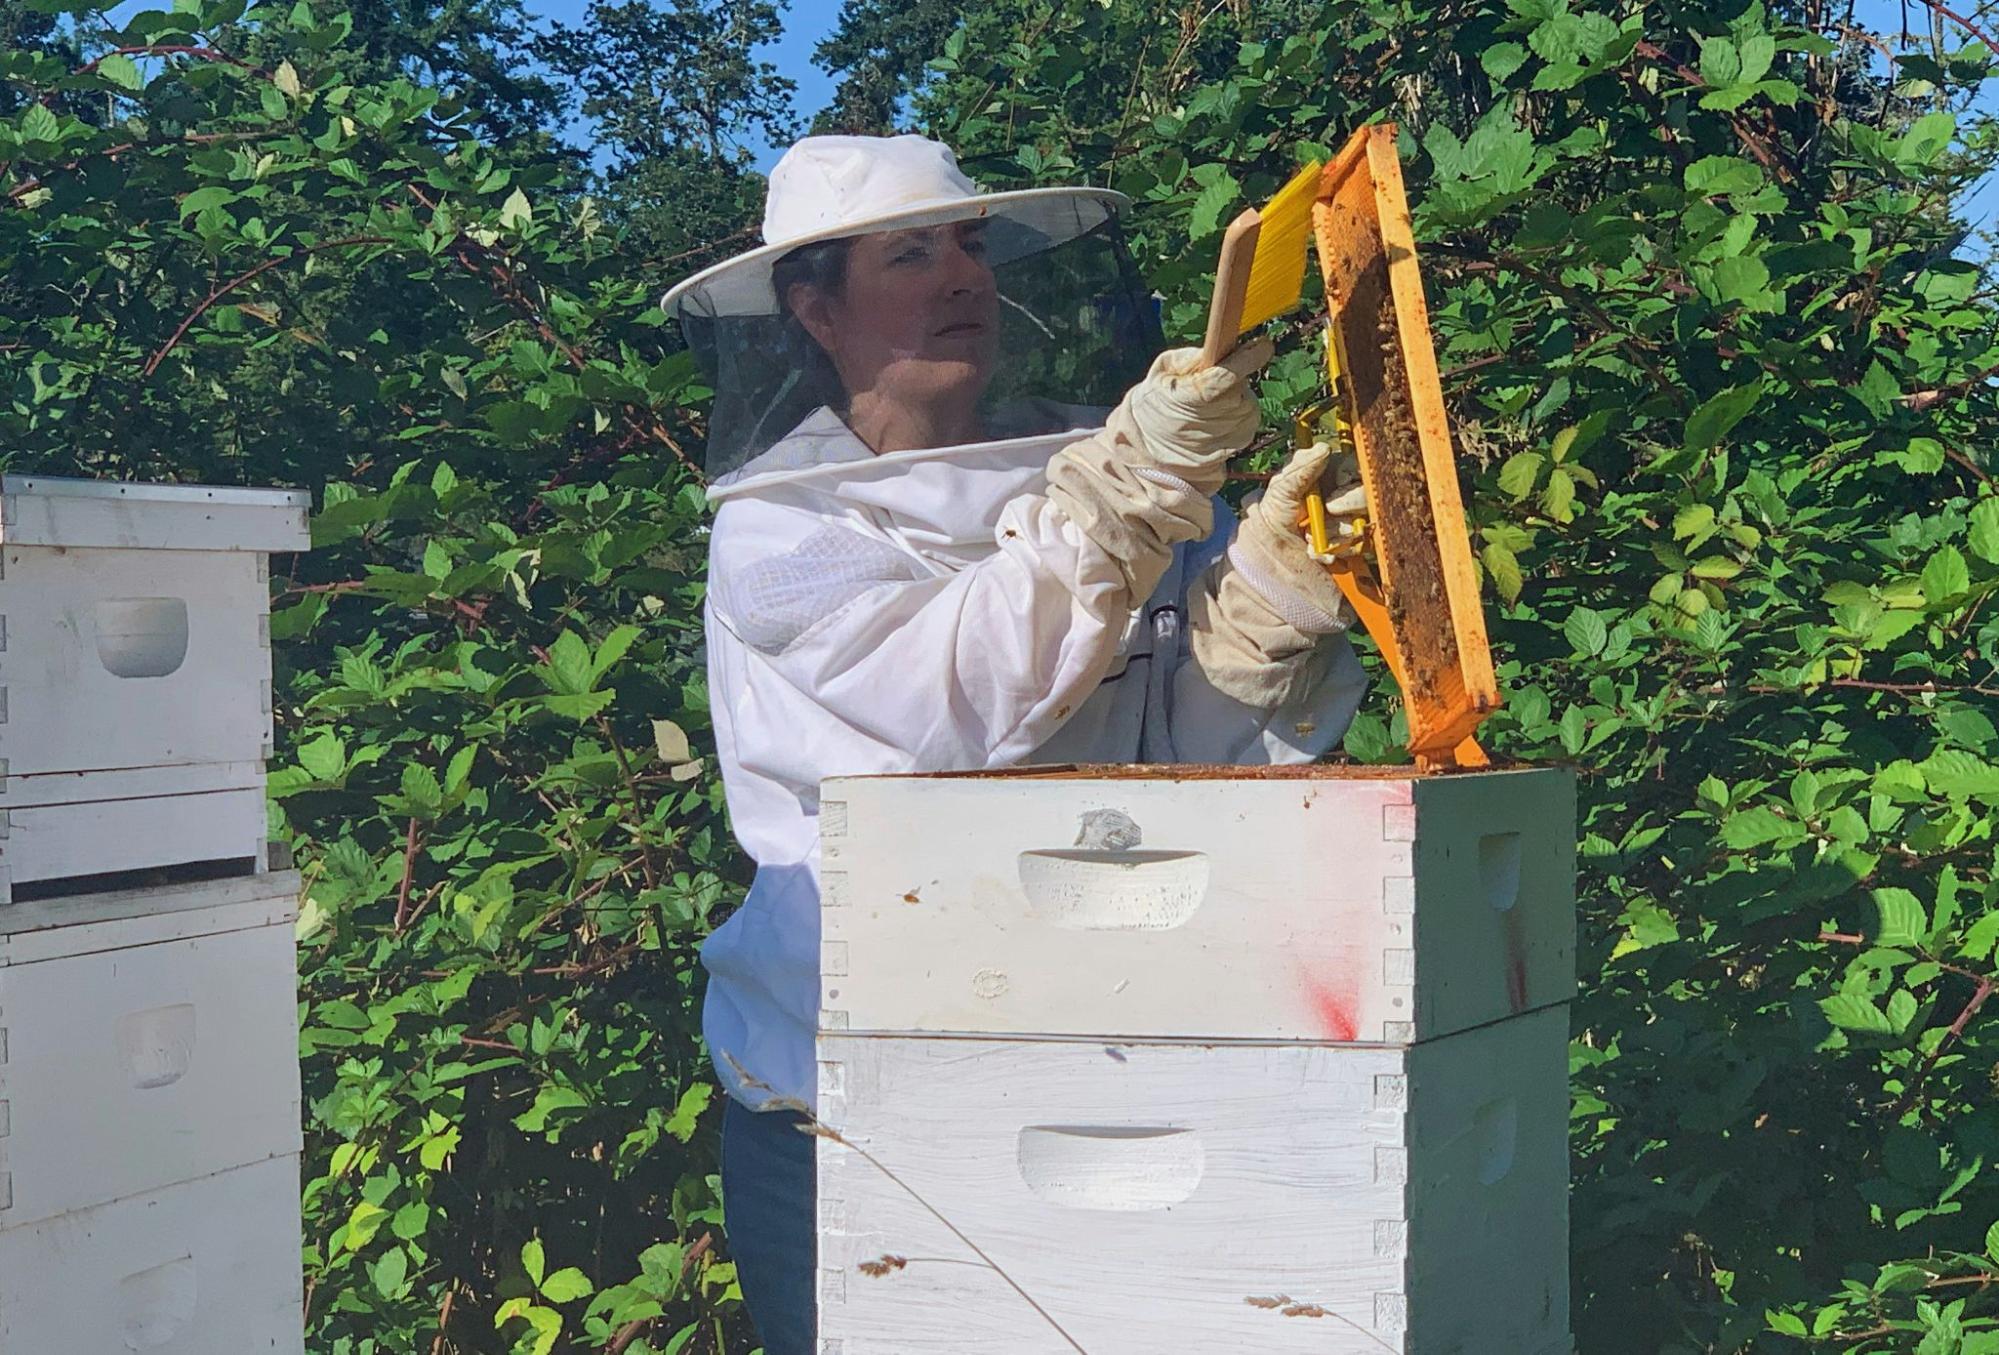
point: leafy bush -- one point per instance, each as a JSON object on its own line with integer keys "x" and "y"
{"x": 1722, "y": 386}
{"x": 258, "y": 271}
{"x": 1724, "y": 389}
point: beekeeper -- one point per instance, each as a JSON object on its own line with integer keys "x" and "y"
{"x": 937, "y": 547}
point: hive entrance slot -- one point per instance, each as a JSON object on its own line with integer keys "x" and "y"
{"x": 152, "y": 877}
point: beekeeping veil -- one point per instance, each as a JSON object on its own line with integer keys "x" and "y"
{"x": 1075, "y": 328}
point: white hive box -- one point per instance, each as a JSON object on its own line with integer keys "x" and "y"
{"x": 1178, "y": 1196}
{"x": 1312, "y": 903}
{"x": 146, "y": 1039}
{"x": 135, "y": 674}
{"x": 206, "y": 1267}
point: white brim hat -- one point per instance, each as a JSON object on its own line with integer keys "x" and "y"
{"x": 833, "y": 187}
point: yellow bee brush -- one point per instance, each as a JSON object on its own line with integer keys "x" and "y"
{"x": 1261, "y": 273}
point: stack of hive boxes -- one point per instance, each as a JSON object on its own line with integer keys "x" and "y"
{"x": 149, "y": 1093}
{"x": 1129, "y": 1062}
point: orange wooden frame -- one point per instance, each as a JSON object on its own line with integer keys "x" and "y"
{"x": 1419, "y": 596}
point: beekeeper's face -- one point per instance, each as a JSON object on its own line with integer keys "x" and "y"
{"x": 916, "y": 322}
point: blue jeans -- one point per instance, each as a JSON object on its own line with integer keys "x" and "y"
{"x": 769, "y": 1208}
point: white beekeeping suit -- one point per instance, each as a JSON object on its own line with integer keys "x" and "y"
{"x": 936, "y": 613}
{"x": 1063, "y": 588}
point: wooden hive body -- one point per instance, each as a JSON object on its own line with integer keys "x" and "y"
{"x": 1196, "y": 1058}
{"x": 135, "y": 674}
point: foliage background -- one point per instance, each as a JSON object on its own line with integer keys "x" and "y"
{"x": 1721, "y": 360}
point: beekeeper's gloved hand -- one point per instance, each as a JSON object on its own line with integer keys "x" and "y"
{"x": 1267, "y": 604}
{"x": 1146, "y": 481}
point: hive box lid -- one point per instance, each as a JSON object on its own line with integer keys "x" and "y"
{"x": 41, "y": 510}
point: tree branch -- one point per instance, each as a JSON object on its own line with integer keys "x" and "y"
{"x": 1963, "y": 23}
{"x": 207, "y": 302}
{"x": 409, "y": 872}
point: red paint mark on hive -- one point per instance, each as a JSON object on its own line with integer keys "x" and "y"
{"x": 1338, "y": 1017}
{"x": 1331, "y": 990}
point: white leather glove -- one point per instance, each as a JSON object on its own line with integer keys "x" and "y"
{"x": 1268, "y": 603}
{"x": 1272, "y": 551}
{"x": 1146, "y": 481}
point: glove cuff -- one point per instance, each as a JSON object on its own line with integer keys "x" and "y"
{"x": 1295, "y": 610}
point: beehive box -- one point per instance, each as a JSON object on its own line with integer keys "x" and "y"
{"x": 206, "y": 1267}
{"x": 1147, "y": 1197}
{"x": 1311, "y": 903}
{"x": 134, "y": 665}
{"x": 146, "y": 1039}
{"x": 71, "y": 832}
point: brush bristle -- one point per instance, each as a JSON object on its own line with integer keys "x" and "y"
{"x": 1277, "y": 273}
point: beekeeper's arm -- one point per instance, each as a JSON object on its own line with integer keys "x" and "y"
{"x": 1270, "y": 676}
{"x": 978, "y": 668}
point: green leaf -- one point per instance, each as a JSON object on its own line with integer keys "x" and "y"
{"x": 1721, "y": 63}
{"x": 516, "y": 211}
{"x": 324, "y": 756}
{"x": 201, "y": 199}
{"x": 1504, "y": 569}
{"x": 1954, "y": 772}
{"x": 390, "y": 1272}
{"x": 421, "y": 790}
{"x": 615, "y": 645}
{"x": 1903, "y": 921}
{"x": 1743, "y": 278}
{"x": 1758, "y": 51}
{"x": 1901, "y": 1010}
{"x": 1945, "y": 577}
{"x": 1983, "y": 538}
{"x": 1850, "y": 1011}
{"x": 1710, "y": 631}
{"x": 566, "y": 1285}
{"x": 1887, "y": 629}
{"x": 362, "y": 1224}
{"x": 1573, "y": 729}
{"x": 1720, "y": 175}
{"x": 1992, "y": 1242}
{"x": 1502, "y": 59}
{"x": 1923, "y": 456}
{"x": 1926, "y": 139}
{"x": 1586, "y": 632}
{"x": 1209, "y": 204}
{"x": 1759, "y": 826}
{"x": 1695, "y": 520}
{"x": 38, "y": 124}
{"x": 1708, "y": 425}
{"x": 571, "y": 670}
{"x": 687, "y": 1112}
{"x": 1981, "y": 937}
{"x": 532, "y": 1260}
{"x": 1559, "y": 498}
{"x": 1572, "y": 39}
{"x": 121, "y": 71}
{"x": 411, "y": 1221}
{"x": 1517, "y": 476}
